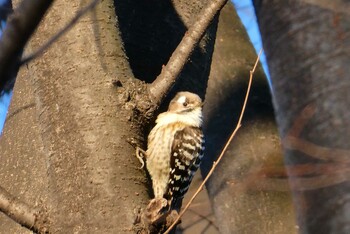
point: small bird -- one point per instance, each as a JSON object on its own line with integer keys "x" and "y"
{"x": 175, "y": 148}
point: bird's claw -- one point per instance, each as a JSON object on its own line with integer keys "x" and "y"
{"x": 141, "y": 155}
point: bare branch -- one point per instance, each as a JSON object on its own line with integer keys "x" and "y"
{"x": 299, "y": 170}
{"x": 73, "y": 21}
{"x": 299, "y": 183}
{"x": 31, "y": 218}
{"x": 162, "y": 84}
{"x": 317, "y": 151}
{"x": 223, "y": 151}
{"x": 293, "y": 141}
{"x": 304, "y": 177}
{"x": 20, "y": 26}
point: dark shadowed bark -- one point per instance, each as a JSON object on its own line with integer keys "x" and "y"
{"x": 179, "y": 57}
{"x": 246, "y": 195}
{"x": 147, "y": 55}
{"x": 308, "y": 45}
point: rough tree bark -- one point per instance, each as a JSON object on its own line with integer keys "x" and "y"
{"x": 308, "y": 46}
{"x": 74, "y": 113}
{"x": 247, "y": 194}
{"x": 23, "y": 167}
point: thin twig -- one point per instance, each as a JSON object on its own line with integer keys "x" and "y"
{"x": 293, "y": 140}
{"x": 298, "y": 183}
{"x": 162, "y": 84}
{"x": 31, "y": 218}
{"x": 224, "y": 149}
{"x": 66, "y": 28}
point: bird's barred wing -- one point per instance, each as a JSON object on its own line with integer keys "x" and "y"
{"x": 186, "y": 154}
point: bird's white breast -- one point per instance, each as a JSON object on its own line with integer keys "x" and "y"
{"x": 160, "y": 141}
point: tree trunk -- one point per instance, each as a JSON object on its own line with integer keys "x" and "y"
{"x": 247, "y": 197}
{"x": 307, "y": 46}
{"x": 80, "y": 115}
{"x": 23, "y": 168}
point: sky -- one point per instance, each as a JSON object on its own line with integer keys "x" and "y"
{"x": 246, "y": 13}
{"x": 5, "y": 98}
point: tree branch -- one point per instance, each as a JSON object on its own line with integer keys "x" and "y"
{"x": 31, "y": 218}
{"x": 293, "y": 141}
{"x": 20, "y": 26}
{"x": 304, "y": 177}
{"x": 162, "y": 84}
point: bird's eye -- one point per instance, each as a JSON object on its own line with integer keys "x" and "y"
{"x": 185, "y": 103}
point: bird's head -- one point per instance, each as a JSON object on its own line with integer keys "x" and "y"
{"x": 185, "y": 102}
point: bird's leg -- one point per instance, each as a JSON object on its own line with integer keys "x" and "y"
{"x": 141, "y": 155}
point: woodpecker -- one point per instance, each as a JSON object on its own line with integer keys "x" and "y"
{"x": 175, "y": 148}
